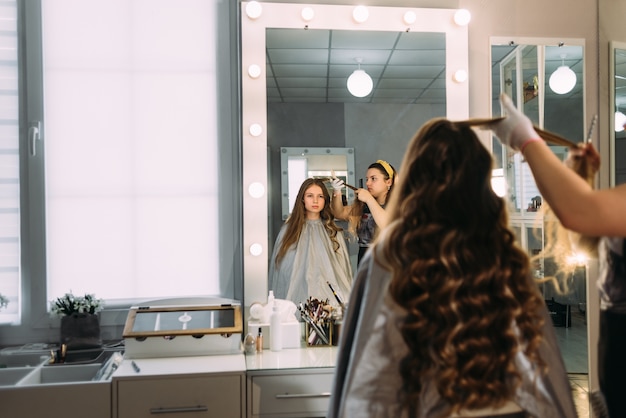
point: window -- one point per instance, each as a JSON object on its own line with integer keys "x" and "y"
{"x": 132, "y": 192}
{"x": 10, "y": 280}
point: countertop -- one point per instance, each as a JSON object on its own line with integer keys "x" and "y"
{"x": 292, "y": 358}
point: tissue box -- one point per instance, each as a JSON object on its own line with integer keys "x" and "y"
{"x": 292, "y": 333}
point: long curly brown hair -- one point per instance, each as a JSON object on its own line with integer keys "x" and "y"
{"x": 459, "y": 273}
{"x": 297, "y": 219}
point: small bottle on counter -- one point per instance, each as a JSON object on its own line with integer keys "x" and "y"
{"x": 259, "y": 342}
{"x": 276, "y": 335}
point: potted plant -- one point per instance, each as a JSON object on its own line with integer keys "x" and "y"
{"x": 80, "y": 324}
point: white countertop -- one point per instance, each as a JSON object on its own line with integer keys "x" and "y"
{"x": 292, "y": 358}
{"x": 182, "y": 365}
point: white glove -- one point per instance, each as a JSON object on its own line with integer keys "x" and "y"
{"x": 337, "y": 184}
{"x": 516, "y": 128}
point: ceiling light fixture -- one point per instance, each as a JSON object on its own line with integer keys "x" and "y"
{"x": 360, "y": 84}
{"x": 563, "y": 79}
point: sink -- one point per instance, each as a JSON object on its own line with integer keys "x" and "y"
{"x": 61, "y": 374}
{"x": 10, "y": 376}
{"x": 23, "y": 360}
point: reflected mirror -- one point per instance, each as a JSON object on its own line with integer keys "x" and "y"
{"x": 269, "y": 117}
{"x": 299, "y": 164}
{"x": 618, "y": 88}
{"x": 528, "y": 71}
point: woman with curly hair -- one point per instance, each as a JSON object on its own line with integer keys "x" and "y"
{"x": 445, "y": 318}
{"x": 310, "y": 250}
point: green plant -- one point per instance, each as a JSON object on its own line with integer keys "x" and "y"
{"x": 4, "y": 301}
{"x": 69, "y": 304}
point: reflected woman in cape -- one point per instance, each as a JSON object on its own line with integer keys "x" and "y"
{"x": 310, "y": 251}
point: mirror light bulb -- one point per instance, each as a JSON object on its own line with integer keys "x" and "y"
{"x": 256, "y": 129}
{"x": 410, "y": 17}
{"x": 254, "y": 9}
{"x": 462, "y": 17}
{"x": 360, "y": 14}
{"x": 562, "y": 80}
{"x": 360, "y": 84}
{"x": 307, "y": 14}
{"x": 256, "y": 190}
{"x": 256, "y": 249}
{"x": 460, "y": 76}
{"x": 254, "y": 71}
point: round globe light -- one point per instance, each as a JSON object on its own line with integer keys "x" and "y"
{"x": 360, "y": 84}
{"x": 256, "y": 129}
{"x": 410, "y": 17}
{"x": 460, "y": 76}
{"x": 562, "y": 80}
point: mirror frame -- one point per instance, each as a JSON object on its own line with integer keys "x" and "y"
{"x": 612, "y": 109}
{"x": 255, "y": 19}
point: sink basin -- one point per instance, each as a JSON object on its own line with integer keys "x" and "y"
{"x": 23, "y": 360}
{"x": 61, "y": 374}
{"x": 9, "y": 377}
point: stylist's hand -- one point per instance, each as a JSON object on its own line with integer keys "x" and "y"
{"x": 364, "y": 195}
{"x": 516, "y": 128}
{"x": 337, "y": 184}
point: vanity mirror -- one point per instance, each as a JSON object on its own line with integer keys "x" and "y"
{"x": 528, "y": 71}
{"x": 618, "y": 134}
{"x": 261, "y": 22}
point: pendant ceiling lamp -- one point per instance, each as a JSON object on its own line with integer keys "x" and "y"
{"x": 562, "y": 80}
{"x": 360, "y": 84}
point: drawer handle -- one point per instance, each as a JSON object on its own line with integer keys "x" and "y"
{"x": 303, "y": 395}
{"x": 199, "y": 408}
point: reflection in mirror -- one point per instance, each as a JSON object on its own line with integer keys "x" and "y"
{"x": 618, "y": 145}
{"x": 361, "y": 125}
{"x": 523, "y": 70}
{"x": 298, "y": 164}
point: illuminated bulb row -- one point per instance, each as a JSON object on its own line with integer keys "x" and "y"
{"x": 360, "y": 14}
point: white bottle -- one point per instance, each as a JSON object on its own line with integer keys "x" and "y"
{"x": 276, "y": 330}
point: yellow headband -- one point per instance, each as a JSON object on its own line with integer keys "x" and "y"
{"x": 387, "y": 167}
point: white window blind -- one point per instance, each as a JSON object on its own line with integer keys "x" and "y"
{"x": 130, "y": 137}
{"x": 10, "y": 280}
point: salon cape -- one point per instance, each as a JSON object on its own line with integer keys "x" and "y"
{"x": 307, "y": 266}
{"x": 367, "y": 381}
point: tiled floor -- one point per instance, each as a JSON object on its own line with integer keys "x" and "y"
{"x": 573, "y": 343}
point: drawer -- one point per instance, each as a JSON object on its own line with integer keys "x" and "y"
{"x": 180, "y": 397}
{"x": 291, "y": 394}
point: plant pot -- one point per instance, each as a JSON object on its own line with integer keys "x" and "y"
{"x": 80, "y": 331}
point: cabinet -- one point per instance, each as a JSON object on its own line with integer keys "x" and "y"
{"x": 207, "y": 386}
{"x": 292, "y": 383}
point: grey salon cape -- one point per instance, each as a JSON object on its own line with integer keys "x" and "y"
{"x": 308, "y": 267}
{"x": 367, "y": 381}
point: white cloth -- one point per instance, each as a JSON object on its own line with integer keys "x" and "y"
{"x": 367, "y": 381}
{"x": 308, "y": 265}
